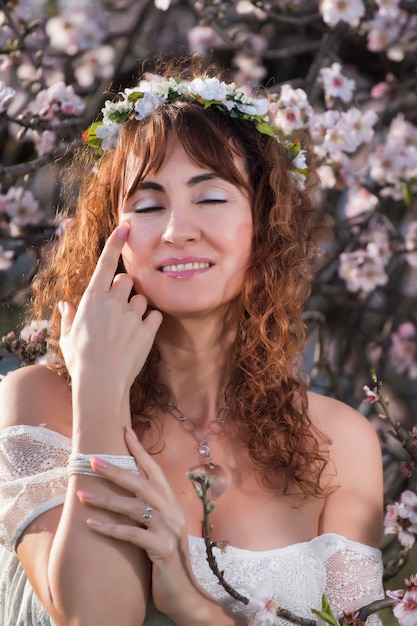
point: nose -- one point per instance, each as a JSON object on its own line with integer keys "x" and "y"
{"x": 181, "y": 227}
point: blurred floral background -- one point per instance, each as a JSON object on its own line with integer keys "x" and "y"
{"x": 343, "y": 69}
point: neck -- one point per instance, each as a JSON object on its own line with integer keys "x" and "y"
{"x": 194, "y": 359}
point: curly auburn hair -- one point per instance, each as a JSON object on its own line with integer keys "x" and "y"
{"x": 265, "y": 388}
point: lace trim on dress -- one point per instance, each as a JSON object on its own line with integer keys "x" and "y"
{"x": 295, "y": 577}
{"x": 33, "y": 478}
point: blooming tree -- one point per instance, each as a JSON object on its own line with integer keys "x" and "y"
{"x": 345, "y": 70}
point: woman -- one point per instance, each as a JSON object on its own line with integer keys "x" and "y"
{"x": 175, "y": 300}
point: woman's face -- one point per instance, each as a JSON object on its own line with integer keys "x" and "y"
{"x": 190, "y": 239}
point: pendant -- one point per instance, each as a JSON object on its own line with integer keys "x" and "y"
{"x": 219, "y": 484}
{"x": 203, "y": 450}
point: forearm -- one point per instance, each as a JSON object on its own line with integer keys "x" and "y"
{"x": 82, "y": 564}
{"x": 95, "y": 579}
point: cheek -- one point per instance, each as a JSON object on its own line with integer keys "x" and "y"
{"x": 244, "y": 238}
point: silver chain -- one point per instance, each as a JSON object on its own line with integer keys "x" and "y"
{"x": 189, "y": 426}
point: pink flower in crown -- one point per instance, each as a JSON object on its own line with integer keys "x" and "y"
{"x": 406, "y": 610}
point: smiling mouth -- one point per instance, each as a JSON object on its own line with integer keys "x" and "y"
{"x": 183, "y": 267}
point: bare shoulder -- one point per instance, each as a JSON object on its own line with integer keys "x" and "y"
{"x": 35, "y": 395}
{"x": 343, "y": 424}
{"x": 354, "y": 504}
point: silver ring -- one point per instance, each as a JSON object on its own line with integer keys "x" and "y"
{"x": 147, "y": 516}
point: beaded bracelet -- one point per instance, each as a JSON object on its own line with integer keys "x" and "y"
{"x": 80, "y": 463}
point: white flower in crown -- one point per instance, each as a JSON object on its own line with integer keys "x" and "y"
{"x": 208, "y": 89}
{"x": 299, "y": 163}
{"x": 122, "y": 106}
{"x": 255, "y": 108}
{"x": 147, "y": 104}
{"x": 144, "y": 99}
{"x": 109, "y": 133}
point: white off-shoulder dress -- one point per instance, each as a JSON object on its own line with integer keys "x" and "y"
{"x": 33, "y": 479}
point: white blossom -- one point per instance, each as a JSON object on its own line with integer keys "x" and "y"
{"x": 6, "y": 96}
{"x": 335, "y": 11}
{"x": 162, "y": 5}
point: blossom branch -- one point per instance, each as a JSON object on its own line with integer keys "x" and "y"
{"x": 204, "y": 482}
{"x": 401, "y": 435}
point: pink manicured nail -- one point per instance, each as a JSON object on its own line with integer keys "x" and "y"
{"x": 95, "y": 523}
{"x": 123, "y": 230}
{"x": 61, "y": 307}
{"x": 86, "y": 495}
{"x": 132, "y": 433}
{"x": 96, "y": 461}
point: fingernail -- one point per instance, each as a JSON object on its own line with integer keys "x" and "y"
{"x": 132, "y": 433}
{"x": 95, "y": 523}
{"x": 86, "y": 495}
{"x": 123, "y": 230}
{"x": 61, "y": 307}
{"x": 96, "y": 461}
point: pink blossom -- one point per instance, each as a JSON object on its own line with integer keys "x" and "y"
{"x": 388, "y": 6}
{"x": 327, "y": 176}
{"x": 362, "y": 272}
{"x": 410, "y": 243}
{"x": 406, "y": 610}
{"x": 403, "y": 349}
{"x": 22, "y": 207}
{"x": 6, "y": 259}
{"x": 202, "y": 38}
{"x": 58, "y": 98}
{"x": 288, "y": 119}
{"x": 358, "y": 126}
{"x": 93, "y": 64}
{"x": 264, "y": 602}
{"x": 72, "y": 31}
{"x": 34, "y": 331}
{"x": 359, "y": 200}
{"x": 371, "y": 396}
{"x": 401, "y": 519}
{"x": 335, "y": 84}
{"x": 384, "y": 29}
{"x": 320, "y": 123}
{"x": 379, "y": 90}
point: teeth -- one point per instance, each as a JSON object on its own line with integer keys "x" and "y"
{"x": 182, "y": 267}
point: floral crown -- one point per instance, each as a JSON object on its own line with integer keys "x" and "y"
{"x": 143, "y": 100}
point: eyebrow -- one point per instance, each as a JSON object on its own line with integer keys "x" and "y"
{"x": 195, "y": 180}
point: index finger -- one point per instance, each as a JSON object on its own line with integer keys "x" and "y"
{"x": 106, "y": 267}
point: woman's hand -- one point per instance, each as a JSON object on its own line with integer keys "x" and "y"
{"x": 160, "y": 527}
{"x": 108, "y": 331}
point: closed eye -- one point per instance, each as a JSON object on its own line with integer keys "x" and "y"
{"x": 149, "y": 209}
{"x": 212, "y": 201}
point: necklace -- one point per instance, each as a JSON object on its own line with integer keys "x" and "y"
{"x": 203, "y": 447}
